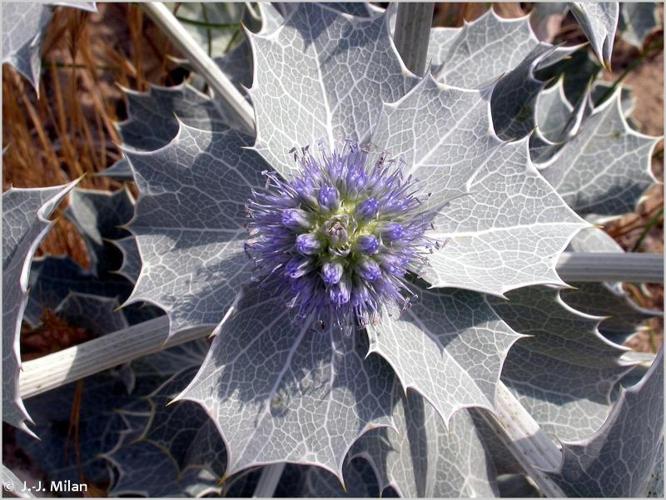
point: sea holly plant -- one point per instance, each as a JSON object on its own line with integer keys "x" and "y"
{"x": 379, "y": 259}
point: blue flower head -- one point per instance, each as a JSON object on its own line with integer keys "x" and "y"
{"x": 339, "y": 240}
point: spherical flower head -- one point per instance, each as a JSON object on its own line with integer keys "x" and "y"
{"x": 340, "y": 240}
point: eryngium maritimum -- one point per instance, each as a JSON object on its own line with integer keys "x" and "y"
{"x": 339, "y": 239}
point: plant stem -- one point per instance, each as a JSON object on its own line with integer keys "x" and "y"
{"x": 62, "y": 367}
{"x": 202, "y": 63}
{"x": 532, "y": 448}
{"x": 270, "y": 476}
{"x": 412, "y": 34}
{"x": 599, "y": 267}
{"x": 206, "y": 24}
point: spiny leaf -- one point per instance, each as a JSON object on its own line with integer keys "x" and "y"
{"x": 120, "y": 171}
{"x": 553, "y": 112}
{"x": 237, "y": 64}
{"x": 449, "y": 347}
{"x": 483, "y": 50}
{"x": 618, "y": 459}
{"x": 637, "y": 21}
{"x": 98, "y": 216}
{"x": 80, "y": 422}
{"x": 439, "y": 45}
{"x": 315, "y": 482}
{"x": 153, "y": 116}
{"x": 131, "y": 266}
{"x": 312, "y": 81}
{"x": 655, "y": 484}
{"x": 52, "y": 278}
{"x": 564, "y": 373}
{"x": 606, "y": 168}
{"x": 602, "y": 90}
{"x": 622, "y": 316}
{"x": 23, "y": 26}
{"x": 514, "y": 96}
{"x": 25, "y": 222}
{"x": 444, "y": 136}
{"x": 69, "y": 450}
{"x": 425, "y": 458}
{"x": 98, "y": 315}
{"x": 189, "y": 223}
{"x": 178, "y": 450}
{"x": 281, "y": 390}
{"x": 599, "y": 22}
{"x": 576, "y": 71}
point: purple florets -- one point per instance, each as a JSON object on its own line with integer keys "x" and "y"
{"x": 339, "y": 240}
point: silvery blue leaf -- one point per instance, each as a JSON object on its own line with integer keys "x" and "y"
{"x": 271, "y": 19}
{"x": 553, "y": 112}
{"x": 637, "y": 21}
{"x": 484, "y": 50}
{"x": 599, "y": 22}
{"x": 107, "y": 412}
{"x": 98, "y": 217}
{"x": 154, "y": 116}
{"x": 312, "y": 81}
{"x": 497, "y": 47}
{"x": 237, "y": 65}
{"x": 131, "y": 266}
{"x": 618, "y": 460}
{"x": 655, "y": 484}
{"x": 501, "y": 457}
{"x": 577, "y": 72}
{"x": 449, "y": 346}
{"x": 190, "y": 223}
{"x": 99, "y": 426}
{"x": 444, "y": 136}
{"x": 557, "y": 121}
{"x": 25, "y": 222}
{"x": 98, "y": 315}
{"x": 120, "y": 171}
{"x": 423, "y": 457}
{"x": 515, "y": 94}
{"x": 602, "y": 90}
{"x": 439, "y": 45}
{"x": 315, "y": 482}
{"x": 280, "y": 390}
{"x": 52, "y": 278}
{"x": 23, "y": 26}
{"x": 564, "y": 372}
{"x": 605, "y": 168}
{"x": 178, "y": 452}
